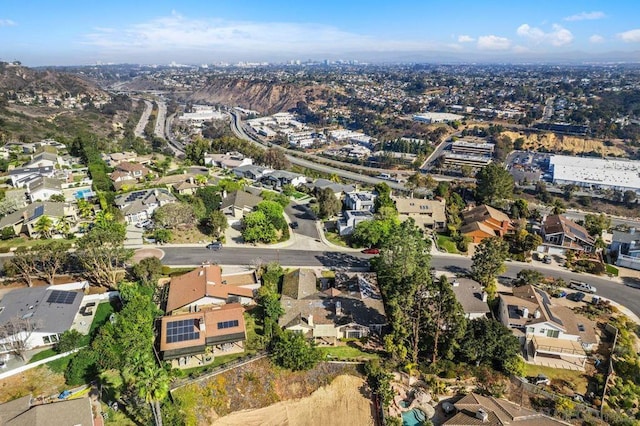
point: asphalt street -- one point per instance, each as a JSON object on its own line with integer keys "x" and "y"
{"x": 625, "y": 295}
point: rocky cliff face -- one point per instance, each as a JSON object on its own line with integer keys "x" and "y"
{"x": 265, "y": 97}
{"x": 19, "y": 79}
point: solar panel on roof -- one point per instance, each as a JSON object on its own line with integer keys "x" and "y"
{"x": 182, "y": 331}
{"x": 62, "y": 297}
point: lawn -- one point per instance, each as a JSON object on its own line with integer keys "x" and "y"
{"x": 345, "y": 352}
{"x": 336, "y": 239}
{"x": 300, "y": 195}
{"x": 219, "y": 360}
{"x": 577, "y": 379}
{"x": 42, "y": 355}
{"x": 612, "y": 270}
{"x": 446, "y": 244}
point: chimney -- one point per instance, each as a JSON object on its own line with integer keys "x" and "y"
{"x": 525, "y": 312}
{"x": 338, "y": 309}
{"x": 482, "y": 415}
{"x": 455, "y": 283}
{"x": 537, "y": 314}
{"x": 310, "y": 320}
{"x": 484, "y": 296}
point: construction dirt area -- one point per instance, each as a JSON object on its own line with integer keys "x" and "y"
{"x": 564, "y": 143}
{"x": 343, "y": 402}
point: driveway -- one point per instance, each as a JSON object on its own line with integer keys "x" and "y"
{"x": 306, "y": 220}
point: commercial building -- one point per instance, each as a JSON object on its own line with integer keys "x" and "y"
{"x": 477, "y": 161}
{"x": 483, "y": 149}
{"x": 596, "y": 173}
{"x": 437, "y": 117}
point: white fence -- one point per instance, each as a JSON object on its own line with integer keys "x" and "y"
{"x": 26, "y": 367}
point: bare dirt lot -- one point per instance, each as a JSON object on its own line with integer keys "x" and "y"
{"x": 343, "y": 402}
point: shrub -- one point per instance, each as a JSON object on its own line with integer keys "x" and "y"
{"x": 82, "y": 368}
{"x": 69, "y": 340}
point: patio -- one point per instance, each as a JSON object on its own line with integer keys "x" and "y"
{"x": 556, "y": 353}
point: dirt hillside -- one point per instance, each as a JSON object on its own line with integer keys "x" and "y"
{"x": 340, "y": 403}
{"x": 559, "y": 143}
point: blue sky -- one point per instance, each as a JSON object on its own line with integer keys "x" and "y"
{"x": 59, "y": 32}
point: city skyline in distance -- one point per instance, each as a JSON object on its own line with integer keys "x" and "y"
{"x": 192, "y": 32}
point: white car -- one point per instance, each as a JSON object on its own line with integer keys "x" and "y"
{"x": 581, "y": 286}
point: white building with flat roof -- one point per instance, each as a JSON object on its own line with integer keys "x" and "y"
{"x": 437, "y": 117}
{"x": 590, "y": 172}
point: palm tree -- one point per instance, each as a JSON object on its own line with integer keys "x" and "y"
{"x": 201, "y": 179}
{"x": 103, "y": 218}
{"x": 43, "y": 226}
{"x": 335, "y": 178}
{"x": 85, "y": 208}
{"x": 153, "y": 387}
{"x": 63, "y": 225}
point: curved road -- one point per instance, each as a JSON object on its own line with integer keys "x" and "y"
{"x": 626, "y": 296}
{"x": 144, "y": 118}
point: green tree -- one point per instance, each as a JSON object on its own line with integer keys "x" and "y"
{"x": 102, "y": 257}
{"x": 63, "y": 225}
{"x": 494, "y": 183}
{"x": 629, "y": 198}
{"x": 520, "y": 209}
{"x": 44, "y": 226}
{"x": 371, "y": 233}
{"x": 147, "y": 271}
{"x": 57, "y": 198}
{"x": 162, "y": 235}
{"x": 281, "y": 199}
{"x": 174, "y": 215}
{"x": 82, "y": 368}
{"x": 23, "y": 263}
{"x": 288, "y": 190}
{"x": 196, "y": 149}
{"x": 216, "y": 223}
{"x": 595, "y": 224}
{"x": 52, "y": 258}
{"x": 292, "y": 351}
{"x": 257, "y": 228}
{"x": 558, "y": 207}
{"x": 85, "y": 208}
{"x": 528, "y": 277}
{"x": 383, "y": 197}
{"x": 68, "y": 341}
{"x": 445, "y": 321}
{"x": 210, "y": 196}
{"x": 152, "y": 383}
{"x": 379, "y": 381}
{"x": 489, "y": 342}
{"x": 276, "y": 159}
{"x": 328, "y": 204}
{"x": 488, "y": 262}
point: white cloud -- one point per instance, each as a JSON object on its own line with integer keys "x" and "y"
{"x": 210, "y": 35}
{"x": 493, "y": 42}
{"x": 586, "y": 16}
{"x": 7, "y": 23}
{"x": 595, "y": 39}
{"x": 631, "y": 36}
{"x": 465, "y": 39}
{"x": 558, "y": 36}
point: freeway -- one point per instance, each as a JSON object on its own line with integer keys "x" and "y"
{"x": 160, "y": 120}
{"x": 144, "y": 118}
{"x": 625, "y": 295}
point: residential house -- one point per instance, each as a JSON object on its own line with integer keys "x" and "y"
{"x": 21, "y": 176}
{"x": 238, "y": 203}
{"x": 138, "y": 206}
{"x": 37, "y": 316}
{"x": 230, "y": 160}
{"x": 115, "y": 158}
{"x": 28, "y": 411}
{"x": 350, "y": 219}
{"x": 279, "y": 178}
{"x": 337, "y": 188}
{"x": 120, "y": 179}
{"x": 626, "y": 246}
{"x": 203, "y": 287}
{"x": 135, "y": 170}
{"x": 42, "y": 188}
{"x": 474, "y": 409}
{"x": 45, "y": 159}
{"x": 560, "y": 234}
{"x": 484, "y": 222}
{"x": 24, "y": 221}
{"x": 251, "y": 171}
{"x": 201, "y": 335}
{"x": 360, "y": 200}
{"x": 188, "y": 187}
{"x": 472, "y": 297}
{"x": 546, "y": 329}
{"x": 428, "y": 214}
{"x": 352, "y": 308}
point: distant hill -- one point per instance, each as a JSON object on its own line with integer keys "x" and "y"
{"x": 259, "y": 95}
{"x": 35, "y": 104}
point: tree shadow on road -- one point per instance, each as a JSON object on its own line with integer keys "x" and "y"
{"x": 342, "y": 260}
{"x": 631, "y": 282}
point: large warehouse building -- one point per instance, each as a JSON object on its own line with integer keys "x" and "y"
{"x": 601, "y": 173}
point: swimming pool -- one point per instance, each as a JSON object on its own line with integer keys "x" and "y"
{"x": 84, "y": 193}
{"x": 413, "y": 417}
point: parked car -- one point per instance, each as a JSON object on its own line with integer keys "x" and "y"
{"x": 216, "y": 245}
{"x": 578, "y": 296}
{"x": 3, "y": 364}
{"x": 540, "y": 379}
{"x": 546, "y": 259}
{"x": 294, "y": 225}
{"x": 371, "y": 250}
{"x": 448, "y": 408}
{"x": 581, "y": 286}
{"x": 558, "y": 293}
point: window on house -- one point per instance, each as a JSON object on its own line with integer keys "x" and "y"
{"x": 46, "y": 340}
{"x": 553, "y": 333}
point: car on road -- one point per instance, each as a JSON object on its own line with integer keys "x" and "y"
{"x": 294, "y": 225}
{"x": 371, "y": 250}
{"x": 582, "y": 286}
{"x": 547, "y": 260}
{"x": 3, "y": 364}
{"x": 216, "y": 245}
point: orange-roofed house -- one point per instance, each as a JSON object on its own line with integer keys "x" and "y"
{"x": 206, "y": 287}
{"x": 196, "y": 338}
{"x": 485, "y": 222}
